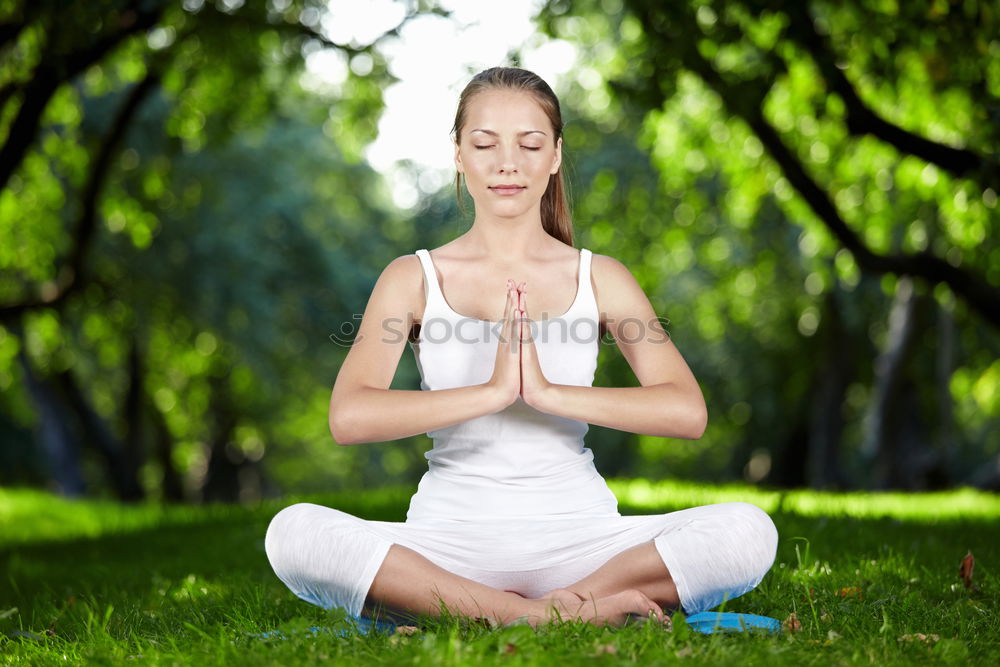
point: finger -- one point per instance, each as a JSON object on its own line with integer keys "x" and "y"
{"x": 510, "y": 308}
{"x": 513, "y": 324}
{"x": 525, "y": 322}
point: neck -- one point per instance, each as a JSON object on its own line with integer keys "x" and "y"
{"x": 508, "y": 237}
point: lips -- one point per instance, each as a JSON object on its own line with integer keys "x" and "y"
{"x": 507, "y": 188}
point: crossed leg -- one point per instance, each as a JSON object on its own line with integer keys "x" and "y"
{"x": 639, "y": 567}
{"x": 634, "y": 582}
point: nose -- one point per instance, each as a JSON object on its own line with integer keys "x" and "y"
{"x": 508, "y": 160}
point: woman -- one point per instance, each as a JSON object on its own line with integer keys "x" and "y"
{"x": 512, "y": 519}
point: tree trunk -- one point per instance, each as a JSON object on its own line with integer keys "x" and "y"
{"x": 946, "y": 441}
{"x": 222, "y": 479}
{"x": 132, "y": 406}
{"x": 121, "y": 468}
{"x": 173, "y": 487}
{"x": 60, "y": 445}
{"x": 896, "y": 429}
{"x": 826, "y": 422}
{"x": 790, "y": 458}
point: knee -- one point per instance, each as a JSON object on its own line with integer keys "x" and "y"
{"x": 285, "y": 532}
{"x": 757, "y": 535}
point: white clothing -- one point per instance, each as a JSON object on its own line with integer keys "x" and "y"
{"x": 512, "y": 499}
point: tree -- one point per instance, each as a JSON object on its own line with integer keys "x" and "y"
{"x": 826, "y": 119}
{"x": 106, "y": 111}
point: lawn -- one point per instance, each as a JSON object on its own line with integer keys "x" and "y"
{"x": 870, "y": 579}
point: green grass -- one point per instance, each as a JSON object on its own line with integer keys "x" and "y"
{"x": 92, "y": 582}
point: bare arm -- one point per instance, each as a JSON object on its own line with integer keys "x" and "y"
{"x": 362, "y": 407}
{"x": 669, "y": 403}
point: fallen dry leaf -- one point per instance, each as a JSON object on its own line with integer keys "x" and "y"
{"x": 965, "y": 571}
{"x": 792, "y": 623}
{"x": 851, "y": 592}
{"x": 919, "y": 637}
{"x": 407, "y": 629}
{"x": 685, "y": 652}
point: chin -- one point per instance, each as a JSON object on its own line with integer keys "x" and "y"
{"x": 510, "y": 211}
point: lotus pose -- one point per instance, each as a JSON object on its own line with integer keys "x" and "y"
{"x": 512, "y": 520}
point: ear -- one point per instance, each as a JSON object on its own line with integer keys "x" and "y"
{"x": 458, "y": 158}
{"x": 557, "y": 158}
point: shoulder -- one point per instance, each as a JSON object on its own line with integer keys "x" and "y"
{"x": 609, "y": 266}
{"x": 400, "y": 285}
{"x": 619, "y": 295}
{"x": 611, "y": 276}
{"x": 402, "y": 267}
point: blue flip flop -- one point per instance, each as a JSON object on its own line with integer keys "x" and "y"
{"x": 365, "y": 626}
{"x": 710, "y": 622}
{"x": 360, "y": 626}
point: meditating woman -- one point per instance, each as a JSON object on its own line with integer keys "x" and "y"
{"x": 512, "y": 520}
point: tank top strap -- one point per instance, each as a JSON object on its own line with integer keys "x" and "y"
{"x": 432, "y": 289}
{"x": 585, "y": 285}
{"x": 585, "y": 256}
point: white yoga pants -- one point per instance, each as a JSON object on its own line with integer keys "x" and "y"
{"x": 713, "y": 552}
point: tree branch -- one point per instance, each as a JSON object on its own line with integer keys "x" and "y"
{"x": 47, "y": 78}
{"x": 86, "y": 227}
{"x": 10, "y": 30}
{"x": 861, "y": 119}
{"x": 677, "y": 32}
{"x": 301, "y": 29}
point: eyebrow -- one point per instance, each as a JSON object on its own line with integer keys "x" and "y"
{"x": 520, "y": 134}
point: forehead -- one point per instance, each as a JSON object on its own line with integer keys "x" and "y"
{"x": 500, "y": 110}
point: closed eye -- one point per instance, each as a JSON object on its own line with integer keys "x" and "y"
{"x": 528, "y": 148}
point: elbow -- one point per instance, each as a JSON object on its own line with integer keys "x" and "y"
{"x": 699, "y": 427}
{"x": 341, "y": 429}
{"x": 699, "y": 421}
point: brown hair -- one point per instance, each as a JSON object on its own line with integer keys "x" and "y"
{"x": 555, "y": 210}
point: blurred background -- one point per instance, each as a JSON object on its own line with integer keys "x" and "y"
{"x": 196, "y": 199}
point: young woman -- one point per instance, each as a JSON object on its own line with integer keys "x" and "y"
{"x": 512, "y": 520}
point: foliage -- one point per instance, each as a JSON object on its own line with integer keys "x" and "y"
{"x": 806, "y": 191}
{"x": 201, "y": 247}
{"x": 789, "y": 203}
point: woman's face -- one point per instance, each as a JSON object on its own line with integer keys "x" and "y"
{"x": 507, "y": 152}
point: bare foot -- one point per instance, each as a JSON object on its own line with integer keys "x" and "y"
{"x": 611, "y": 610}
{"x": 560, "y": 595}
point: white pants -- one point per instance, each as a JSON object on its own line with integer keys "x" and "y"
{"x": 714, "y": 552}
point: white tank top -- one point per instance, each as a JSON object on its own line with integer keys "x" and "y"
{"x": 519, "y": 461}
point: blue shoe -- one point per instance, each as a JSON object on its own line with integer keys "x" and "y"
{"x": 709, "y": 622}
